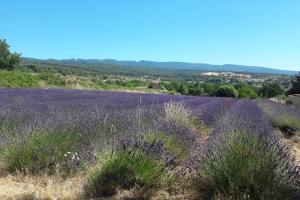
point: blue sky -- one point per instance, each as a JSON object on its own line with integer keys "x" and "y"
{"x": 249, "y": 32}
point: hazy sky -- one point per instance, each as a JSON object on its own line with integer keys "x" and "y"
{"x": 249, "y": 32}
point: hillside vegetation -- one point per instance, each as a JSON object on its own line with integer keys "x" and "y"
{"x": 38, "y": 74}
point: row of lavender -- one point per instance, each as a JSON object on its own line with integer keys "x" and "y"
{"x": 27, "y": 111}
{"x": 101, "y": 116}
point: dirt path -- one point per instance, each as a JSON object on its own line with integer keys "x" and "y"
{"x": 296, "y": 144}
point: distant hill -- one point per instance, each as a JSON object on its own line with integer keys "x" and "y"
{"x": 172, "y": 65}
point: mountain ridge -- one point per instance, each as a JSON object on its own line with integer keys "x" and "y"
{"x": 173, "y": 65}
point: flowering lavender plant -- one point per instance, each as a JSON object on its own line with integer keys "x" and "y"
{"x": 243, "y": 159}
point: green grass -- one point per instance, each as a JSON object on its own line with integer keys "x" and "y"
{"x": 125, "y": 170}
{"x": 39, "y": 153}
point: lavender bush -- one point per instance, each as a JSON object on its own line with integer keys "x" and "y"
{"x": 245, "y": 160}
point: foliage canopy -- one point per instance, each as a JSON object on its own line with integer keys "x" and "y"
{"x": 8, "y": 60}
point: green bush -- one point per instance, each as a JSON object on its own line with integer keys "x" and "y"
{"x": 17, "y": 79}
{"x": 227, "y": 91}
{"x": 127, "y": 169}
{"x": 39, "y": 153}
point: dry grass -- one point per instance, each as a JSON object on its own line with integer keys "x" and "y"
{"x": 21, "y": 187}
{"x": 27, "y": 187}
{"x": 178, "y": 113}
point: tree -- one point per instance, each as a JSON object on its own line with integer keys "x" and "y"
{"x": 173, "y": 86}
{"x": 8, "y": 60}
{"x": 209, "y": 88}
{"x": 270, "y": 90}
{"x": 246, "y": 90}
{"x": 295, "y": 89}
{"x": 183, "y": 89}
{"x": 196, "y": 91}
{"x": 227, "y": 91}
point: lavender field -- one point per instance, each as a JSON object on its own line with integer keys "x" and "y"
{"x": 188, "y": 147}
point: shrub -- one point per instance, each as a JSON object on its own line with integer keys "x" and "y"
{"x": 17, "y": 79}
{"x": 41, "y": 152}
{"x": 126, "y": 169}
{"x": 244, "y": 166}
{"x": 227, "y": 91}
{"x": 178, "y": 113}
